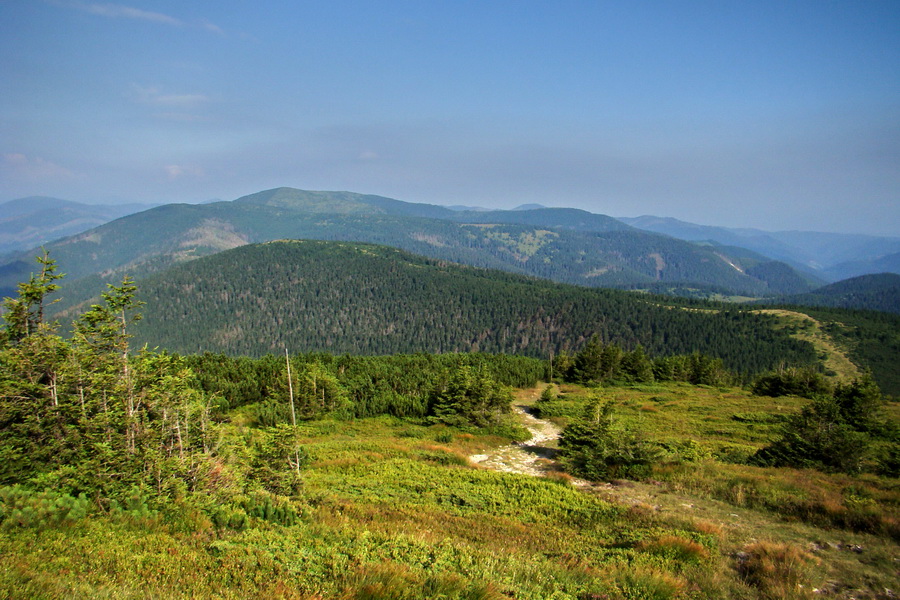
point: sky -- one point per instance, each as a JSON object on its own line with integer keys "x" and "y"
{"x": 754, "y": 113}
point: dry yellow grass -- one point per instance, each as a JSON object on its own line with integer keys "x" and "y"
{"x": 810, "y": 330}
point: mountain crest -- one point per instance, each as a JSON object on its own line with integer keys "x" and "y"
{"x": 312, "y": 201}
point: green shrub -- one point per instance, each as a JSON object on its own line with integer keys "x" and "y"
{"x": 133, "y": 507}
{"x": 267, "y": 507}
{"x": 804, "y": 382}
{"x": 228, "y": 517}
{"x": 686, "y": 451}
{"x": 819, "y": 438}
{"x": 595, "y": 447}
{"x": 758, "y": 417}
{"x": 20, "y": 507}
{"x": 469, "y": 396}
{"x": 444, "y": 437}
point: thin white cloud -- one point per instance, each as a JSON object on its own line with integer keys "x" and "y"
{"x": 119, "y": 11}
{"x": 177, "y": 171}
{"x": 32, "y": 168}
{"x": 212, "y": 27}
{"x": 180, "y": 117}
{"x": 155, "y": 96}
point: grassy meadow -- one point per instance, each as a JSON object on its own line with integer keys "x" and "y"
{"x": 390, "y": 508}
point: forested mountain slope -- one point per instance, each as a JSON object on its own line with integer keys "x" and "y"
{"x": 563, "y": 245}
{"x": 357, "y": 298}
{"x": 866, "y": 292}
{"x": 832, "y": 256}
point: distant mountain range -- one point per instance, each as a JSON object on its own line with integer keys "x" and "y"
{"x": 29, "y": 222}
{"x": 560, "y": 244}
{"x": 830, "y": 256}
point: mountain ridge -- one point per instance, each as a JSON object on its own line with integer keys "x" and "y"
{"x": 879, "y": 291}
{"x": 565, "y": 245}
{"x": 832, "y": 256}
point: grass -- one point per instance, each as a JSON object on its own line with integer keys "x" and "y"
{"x": 393, "y": 509}
{"x": 851, "y": 523}
{"x": 835, "y": 359}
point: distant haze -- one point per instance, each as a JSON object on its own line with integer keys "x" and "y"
{"x": 767, "y": 114}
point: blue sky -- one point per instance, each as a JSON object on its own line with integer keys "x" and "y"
{"x": 777, "y": 115}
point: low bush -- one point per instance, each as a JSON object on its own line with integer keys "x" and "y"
{"x": 595, "y": 447}
{"x": 818, "y": 438}
{"x": 21, "y": 507}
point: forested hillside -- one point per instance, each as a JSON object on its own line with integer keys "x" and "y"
{"x": 563, "y": 245}
{"x": 866, "y": 292}
{"x": 341, "y": 297}
{"x": 831, "y": 256}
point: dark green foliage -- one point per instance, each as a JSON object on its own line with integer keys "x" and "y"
{"x": 316, "y": 393}
{"x": 133, "y": 507}
{"x": 374, "y": 300}
{"x": 835, "y": 432}
{"x": 468, "y": 397}
{"x": 888, "y": 459}
{"x": 871, "y": 338}
{"x": 636, "y": 367}
{"x": 867, "y": 292}
{"x": 262, "y": 505}
{"x": 860, "y": 402}
{"x": 397, "y": 385}
{"x": 779, "y": 277}
{"x": 758, "y": 417}
{"x": 805, "y": 382}
{"x": 550, "y": 393}
{"x": 597, "y": 363}
{"x": 596, "y": 447}
{"x": 85, "y": 416}
{"x": 24, "y": 314}
{"x": 277, "y": 457}
{"x": 820, "y": 438}
{"x": 21, "y": 507}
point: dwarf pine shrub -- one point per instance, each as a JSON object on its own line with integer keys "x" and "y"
{"x": 21, "y": 507}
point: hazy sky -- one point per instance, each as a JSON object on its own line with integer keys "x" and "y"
{"x": 778, "y": 115}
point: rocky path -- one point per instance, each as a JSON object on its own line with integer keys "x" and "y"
{"x": 533, "y": 457}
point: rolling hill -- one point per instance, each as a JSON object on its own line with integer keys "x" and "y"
{"x": 365, "y": 299}
{"x": 564, "y": 245}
